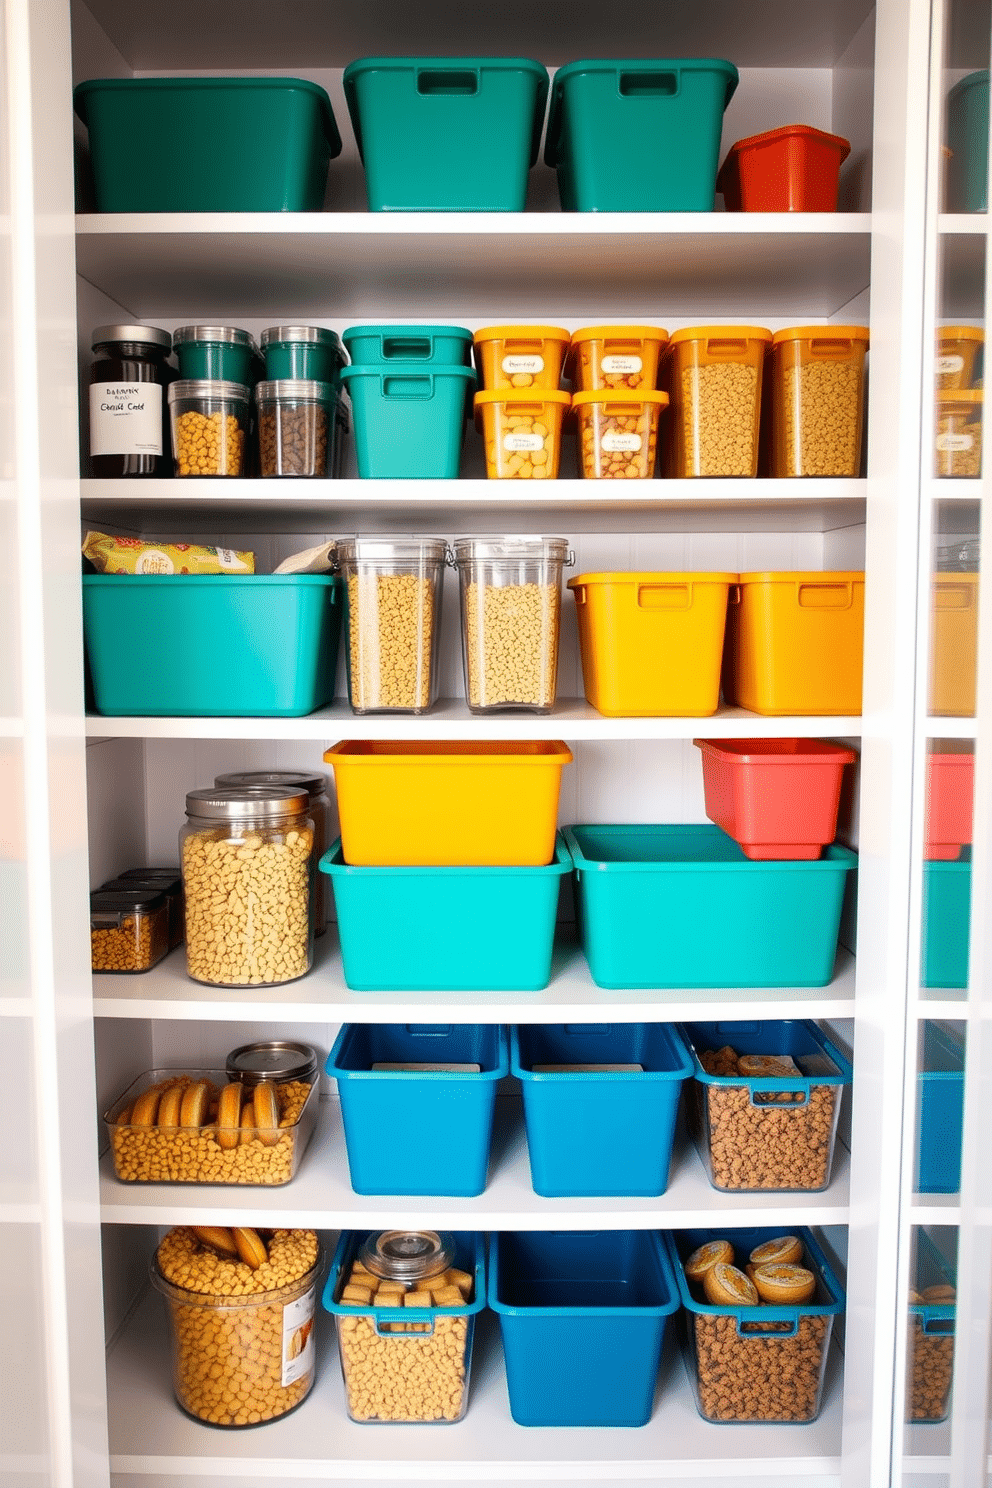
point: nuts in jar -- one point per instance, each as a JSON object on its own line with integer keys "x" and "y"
{"x": 522, "y": 433}
{"x": 209, "y": 427}
{"x": 618, "y": 433}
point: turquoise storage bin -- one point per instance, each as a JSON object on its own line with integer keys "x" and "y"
{"x": 600, "y": 1134}
{"x": 968, "y": 142}
{"x": 446, "y": 929}
{"x": 418, "y": 1131}
{"x": 446, "y": 134}
{"x": 208, "y": 144}
{"x": 939, "y": 1111}
{"x": 409, "y": 422}
{"x": 211, "y": 646}
{"x": 583, "y": 1316}
{"x": 391, "y": 345}
{"x": 681, "y": 906}
{"x": 946, "y": 922}
{"x": 638, "y": 136}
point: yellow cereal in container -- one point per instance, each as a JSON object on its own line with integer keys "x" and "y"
{"x": 713, "y": 376}
{"x": 209, "y": 427}
{"x": 522, "y": 433}
{"x": 817, "y": 389}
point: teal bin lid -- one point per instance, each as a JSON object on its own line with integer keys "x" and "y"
{"x": 636, "y": 65}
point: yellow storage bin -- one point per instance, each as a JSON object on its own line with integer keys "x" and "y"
{"x": 958, "y": 348}
{"x": 651, "y": 642}
{"x": 794, "y": 643}
{"x": 617, "y": 356}
{"x": 522, "y": 433}
{"x": 458, "y": 803}
{"x": 713, "y": 377}
{"x": 817, "y": 400}
{"x": 957, "y": 452}
{"x": 954, "y": 644}
{"x": 618, "y": 433}
{"x": 520, "y": 356}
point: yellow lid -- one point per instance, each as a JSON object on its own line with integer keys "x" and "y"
{"x": 821, "y": 333}
{"x": 964, "y": 400}
{"x": 720, "y": 333}
{"x": 805, "y": 576}
{"x": 522, "y": 333}
{"x": 621, "y": 395}
{"x": 960, "y": 333}
{"x": 619, "y": 333}
{"x": 652, "y": 578}
{"x": 523, "y": 395}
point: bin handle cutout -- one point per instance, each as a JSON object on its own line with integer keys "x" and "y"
{"x": 382, "y": 1323}
{"x": 447, "y": 81}
{"x": 580, "y": 594}
{"x": 734, "y": 594}
{"x": 664, "y": 596}
{"x": 408, "y": 348}
{"x": 736, "y": 1027}
{"x": 428, "y": 1030}
{"x": 726, "y": 346}
{"x": 597, "y": 1030}
{"x": 750, "y": 1330}
{"x": 953, "y": 596}
{"x": 649, "y": 84}
{"x": 825, "y": 596}
{"x": 826, "y": 347}
{"x": 763, "y": 1093}
{"x": 396, "y": 386}
{"x": 938, "y": 1325}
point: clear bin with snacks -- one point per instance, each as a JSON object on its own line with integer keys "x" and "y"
{"x": 521, "y": 356}
{"x": 959, "y": 356}
{"x": 931, "y": 1326}
{"x": 393, "y": 621}
{"x": 713, "y": 377}
{"x": 957, "y": 445}
{"x": 522, "y": 432}
{"x": 209, "y": 427}
{"x": 167, "y": 881}
{"x": 129, "y": 928}
{"x": 298, "y": 429}
{"x": 618, "y": 433}
{"x": 817, "y": 392}
{"x": 616, "y": 356}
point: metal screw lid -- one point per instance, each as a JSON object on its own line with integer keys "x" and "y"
{"x": 235, "y": 803}
{"x": 208, "y": 387}
{"x": 272, "y": 1059}
{"x": 315, "y": 785}
{"x": 317, "y": 335}
{"x": 227, "y": 335}
{"x": 288, "y": 389}
{"x": 407, "y": 1255}
{"x": 146, "y": 335}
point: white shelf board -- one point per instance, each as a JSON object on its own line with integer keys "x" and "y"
{"x": 321, "y": 1197}
{"x": 571, "y": 718}
{"x": 962, "y": 224}
{"x": 943, "y": 1002}
{"x": 322, "y": 997}
{"x": 157, "y": 507}
{"x": 509, "y": 265}
{"x": 150, "y": 1435}
{"x": 927, "y": 1449}
{"x": 935, "y": 1209}
{"x": 940, "y": 727}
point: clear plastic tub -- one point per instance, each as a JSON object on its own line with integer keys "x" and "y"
{"x": 297, "y": 429}
{"x": 513, "y": 357}
{"x": 616, "y": 356}
{"x": 713, "y": 375}
{"x": 522, "y": 432}
{"x": 209, "y": 427}
{"x": 817, "y": 391}
{"x": 618, "y": 433}
{"x": 129, "y": 929}
{"x": 167, "y": 881}
{"x": 959, "y": 351}
{"x": 957, "y": 445}
{"x": 930, "y": 1365}
{"x": 393, "y": 621}
{"x": 511, "y": 616}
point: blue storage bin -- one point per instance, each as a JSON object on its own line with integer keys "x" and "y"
{"x": 939, "y": 1111}
{"x": 682, "y": 906}
{"x": 211, "y": 646}
{"x": 389, "y": 345}
{"x": 446, "y": 929}
{"x": 409, "y": 421}
{"x": 600, "y": 1134}
{"x": 583, "y": 1319}
{"x": 968, "y": 142}
{"x": 931, "y": 1337}
{"x": 946, "y": 922}
{"x": 418, "y": 1131}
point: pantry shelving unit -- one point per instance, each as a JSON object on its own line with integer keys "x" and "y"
{"x": 91, "y": 1398}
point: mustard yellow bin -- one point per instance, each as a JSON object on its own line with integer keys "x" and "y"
{"x": 522, "y": 432}
{"x": 520, "y": 356}
{"x": 794, "y": 642}
{"x": 451, "y": 803}
{"x": 651, "y": 643}
{"x": 954, "y": 644}
{"x": 616, "y": 356}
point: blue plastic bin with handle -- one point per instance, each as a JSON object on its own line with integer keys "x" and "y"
{"x": 939, "y": 1111}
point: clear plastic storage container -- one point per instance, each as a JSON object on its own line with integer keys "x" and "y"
{"x": 959, "y": 350}
{"x": 315, "y": 785}
{"x": 392, "y": 621}
{"x": 129, "y": 928}
{"x": 957, "y": 445}
{"x": 623, "y": 357}
{"x": 297, "y": 429}
{"x": 522, "y": 432}
{"x": 618, "y": 433}
{"x": 713, "y": 375}
{"x": 209, "y": 427}
{"x": 312, "y": 353}
{"x": 818, "y": 395}
{"x": 515, "y": 357}
{"x": 167, "y": 881}
{"x": 931, "y": 1325}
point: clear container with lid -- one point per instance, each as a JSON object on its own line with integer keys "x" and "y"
{"x": 713, "y": 377}
{"x": 300, "y": 351}
{"x": 128, "y": 416}
{"x": 958, "y": 439}
{"x": 616, "y": 356}
{"x": 959, "y": 354}
{"x": 167, "y": 881}
{"x": 297, "y": 429}
{"x": 277, "y": 1060}
{"x": 392, "y": 621}
{"x": 511, "y": 613}
{"x": 315, "y": 785}
{"x": 247, "y": 865}
{"x": 209, "y": 427}
{"x": 129, "y": 929}
{"x": 221, "y": 353}
{"x": 817, "y": 391}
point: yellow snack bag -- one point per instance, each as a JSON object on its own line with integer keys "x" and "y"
{"x": 133, "y": 555}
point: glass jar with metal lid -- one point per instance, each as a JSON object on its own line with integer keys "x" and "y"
{"x": 315, "y": 786}
{"x": 129, "y": 427}
{"x": 277, "y": 1060}
{"x": 247, "y": 865}
{"x": 393, "y": 621}
{"x": 224, "y": 353}
{"x": 407, "y": 1255}
{"x": 299, "y": 351}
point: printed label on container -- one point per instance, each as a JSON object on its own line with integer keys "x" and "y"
{"x": 297, "y": 1337}
{"x": 521, "y": 363}
{"x": 125, "y": 418}
{"x": 950, "y": 443}
{"x": 615, "y": 444}
{"x": 947, "y": 365}
{"x": 517, "y": 443}
{"x": 622, "y": 364}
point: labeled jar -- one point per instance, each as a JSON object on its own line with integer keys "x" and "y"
{"x": 522, "y": 433}
{"x": 958, "y": 440}
{"x": 128, "y": 414}
{"x": 209, "y": 427}
{"x": 297, "y": 428}
{"x": 220, "y": 353}
{"x": 392, "y": 621}
{"x": 618, "y": 433}
{"x": 513, "y": 357}
{"x": 312, "y": 353}
{"x": 959, "y": 351}
{"x": 616, "y": 356}
{"x": 511, "y": 617}
{"x": 129, "y": 929}
{"x": 247, "y": 865}
{"x": 318, "y": 807}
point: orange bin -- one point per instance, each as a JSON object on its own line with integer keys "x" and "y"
{"x": 520, "y": 356}
{"x": 713, "y": 378}
{"x": 522, "y": 432}
{"x": 778, "y": 798}
{"x": 817, "y": 400}
{"x": 958, "y": 348}
{"x": 954, "y": 644}
{"x": 950, "y": 792}
{"x": 958, "y": 440}
{"x": 794, "y": 642}
{"x": 619, "y": 356}
{"x": 792, "y": 169}
{"x": 618, "y": 433}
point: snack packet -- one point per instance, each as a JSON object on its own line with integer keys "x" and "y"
{"x": 133, "y": 555}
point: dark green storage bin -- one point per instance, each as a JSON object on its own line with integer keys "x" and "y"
{"x": 215, "y": 352}
{"x": 446, "y": 134}
{"x": 409, "y": 422}
{"x": 638, "y": 136}
{"x": 208, "y": 144}
{"x": 946, "y": 922}
{"x": 299, "y": 352}
{"x": 968, "y": 142}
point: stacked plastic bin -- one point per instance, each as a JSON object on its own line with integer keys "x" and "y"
{"x": 302, "y": 422}
{"x": 950, "y": 785}
{"x": 210, "y": 403}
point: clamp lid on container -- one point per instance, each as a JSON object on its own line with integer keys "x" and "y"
{"x": 407, "y": 1255}
{"x": 229, "y": 803}
{"x": 391, "y": 549}
{"x": 143, "y": 335}
{"x": 272, "y": 1059}
{"x": 493, "y": 549}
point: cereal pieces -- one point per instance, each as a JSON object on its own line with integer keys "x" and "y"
{"x": 390, "y": 639}
{"x": 618, "y": 436}
{"x": 929, "y": 1369}
{"x": 759, "y": 1377}
{"x": 293, "y": 438}
{"x": 522, "y": 435}
{"x": 821, "y": 419}
{"x": 209, "y": 444}
{"x": 511, "y": 644}
{"x": 718, "y": 434}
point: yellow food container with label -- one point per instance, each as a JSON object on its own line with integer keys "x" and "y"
{"x": 520, "y": 356}
{"x": 957, "y": 452}
{"x": 616, "y": 356}
{"x": 954, "y": 644}
{"x": 713, "y": 377}
{"x": 522, "y": 432}
{"x": 958, "y": 349}
{"x": 817, "y": 400}
{"x": 618, "y": 433}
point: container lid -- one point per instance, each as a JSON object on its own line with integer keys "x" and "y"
{"x": 789, "y": 131}
{"x": 523, "y": 395}
{"x": 149, "y": 873}
{"x": 407, "y": 1255}
{"x": 962, "y": 400}
{"x": 653, "y": 578}
{"x": 960, "y": 333}
{"x": 313, "y": 784}
{"x": 777, "y": 751}
{"x": 312, "y": 335}
{"x": 221, "y": 335}
{"x": 237, "y": 803}
{"x": 208, "y": 387}
{"x": 720, "y": 333}
{"x": 144, "y": 335}
{"x": 384, "y": 549}
{"x": 288, "y": 389}
{"x": 470, "y": 549}
{"x": 522, "y": 333}
{"x": 804, "y": 576}
{"x": 271, "y": 1059}
{"x": 141, "y": 899}
{"x": 822, "y": 333}
{"x": 633, "y": 396}
{"x": 154, "y": 881}
{"x": 412, "y": 332}
{"x": 619, "y": 333}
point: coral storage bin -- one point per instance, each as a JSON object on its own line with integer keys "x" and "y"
{"x": 950, "y": 791}
{"x": 939, "y": 1110}
{"x": 681, "y": 906}
{"x": 946, "y": 922}
{"x": 616, "y": 356}
{"x": 409, "y": 421}
{"x": 446, "y": 134}
{"x": 582, "y": 1315}
{"x": 713, "y": 375}
{"x": 263, "y": 645}
{"x": 794, "y": 642}
{"x": 792, "y": 169}
{"x": 954, "y": 644}
{"x": 446, "y": 929}
{"x": 479, "y": 802}
{"x": 418, "y": 1131}
{"x": 817, "y": 400}
{"x": 968, "y": 142}
{"x": 208, "y": 144}
{"x": 638, "y": 136}
{"x": 651, "y": 643}
{"x": 778, "y": 798}
{"x": 592, "y": 1130}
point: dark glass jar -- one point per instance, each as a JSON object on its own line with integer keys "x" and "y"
{"x": 129, "y": 419}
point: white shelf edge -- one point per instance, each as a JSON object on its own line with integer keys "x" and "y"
{"x": 938, "y": 727}
{"x": 962, "y": 224}
{"x": 943, "y": 1002}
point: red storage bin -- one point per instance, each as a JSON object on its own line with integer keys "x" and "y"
{"x": 778, "y": 798}
{"x": 950, "y": 797}
{"x": 792, "y": 169}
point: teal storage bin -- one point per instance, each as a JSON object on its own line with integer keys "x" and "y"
{"x": 409, "y": 422}
{"x": 946, "y": 922}
{"x": 681, "y": 906}
{"x": 600, "y": 1133}
{"x": 211, "y": 646}
{"x": 418, "y": 1131}
{"x": 939, "y": 1111}
{"x": 446, "y": 134}
{"x": 638, "y": 136}
{"x": 208, "y": 144}
{"x": 389, "y": 345}
{"x": 968, "y": 142}
{"x": 300, "y": 353}
{"x": 583, "y": 1316}
{"x": 446, "y": 929}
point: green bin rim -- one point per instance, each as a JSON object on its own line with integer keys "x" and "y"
{"x": 835, "y": 855}
{"x": 633, "y": 64}
{"x": 356, "y": 331}
{"x": 270, "y": 581}
{"x": 212, "y": 84}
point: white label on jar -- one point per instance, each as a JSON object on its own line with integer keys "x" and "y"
{"x": 615, "y": 444}
{"x": 622, "y": 364}
{"x": 946, "y": 365}
{"x": 949, "y": 443}
{"x": 154, "y": 561}
{"x": 516, "y": 443}
{"x": 520, "y": 363}
{"x": 125, "y": 418}
{"x": 297, "y": 1337}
